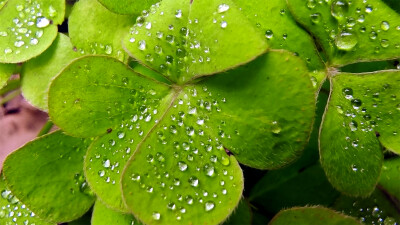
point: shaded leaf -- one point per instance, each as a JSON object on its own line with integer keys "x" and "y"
{"x": 105, "y": 216}
{"x": 38, "y": 73}
{"x": 46, "y": 174}
{"x": 100, "y": 31}
{"x": 351, "y": 31}
{"x": 361, "y": 106}
{"x": 182, "y": 40}
{"x": 311, "y": 216}
{"x": 241, "y": 215}
{"x": 6, "y": 70}
{"x": 28, "y": 28}
{"x": 12, "y": 211}
{"x": 128, "y": 6}
{"x": 376, "y": 209}
{"x": 390, "y": 177}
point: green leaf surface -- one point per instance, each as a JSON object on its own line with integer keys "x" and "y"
{"x": 281, "y": 31}
{"x": 38, "y": 73}
{"x": 2, "y": 3}
{"x": 361, "y": 107}
{"x": 282, "y": 189}
{"x": 390, "y": 177}
{"x": 376, "y": 209}
{"x": 128, "y": 6}
{"x": 6, "y": 70}
{"x": 183, "y": 40}
{"x": 105, "y": 216}
{"x": 178, "y": 156}
{"x": 262, "y": 122}
{"x": 76, "y": 94}
{"x": 46, "y": 174}
{"x": 312, "y": 216}
{"x": 12, "y": 211}
{"x": 351, "y": 31}
{"x": 242, "y": 214}
{"x": 28, "y": 28}
{"x": 100, "y": 31}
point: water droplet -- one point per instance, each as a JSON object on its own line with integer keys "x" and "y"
{"x": 385, "y": 25}
{"x": 269, "y": 34}
{"x": 354, "y": 168}
{"x": 19, "y": 44}
{"x": 316, "y": 18}
{"x": 142, "y": 45}
{"x": 189, "y": 200}
{"x": 339, "y": 8}
{"x": 171, "y": 206}
{"x": 107, "y": 163}
{"x": 373, "y": 35}
{"x": 311, "y": 4}
{"x": 353, "y": 125}
{"x": 42, "y": 22}
{"x": 209, "y": 169}
{"x": 8, "y": 50}
{"x": 346, "y": 41}
{"x": 178, "y": 13}
{"x": 193, "y": 181}
{"x": 182, "y": 166}
{"x": 34, "y": 41}
{"x": 356, "y": 103}
{"x": 368, "y": 9}
{"x": 224, "y": 24}
{"x": 209, "y": 206}
{"x": 348, "y": 92}
{"x": 156, "y": 215}
{"x": 275, "y": 128}
{"x": 223, "y": 8}
{"x": 385, "y": 43}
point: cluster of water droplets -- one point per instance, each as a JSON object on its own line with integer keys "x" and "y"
{"x": 173, "y": 48}
{"x": 27, "y": 27}
{"x": 353, "y": 25}
{"x": 370, "y": 213}
{"x": 187, "y": 165}
{"x": 82, "y": 185}
{"x": 113, "y": 150}
{"x": 363, "y": 112}
{"x": 14, "y": 212}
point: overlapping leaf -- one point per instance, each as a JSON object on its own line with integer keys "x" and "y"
{"x": 105, "y": 216}
{"x": 281, "y": 31}
{"x": 12, "y": 211}
{"x": 28, "y": 28}
{"x": 100, "y": 31}
{"x": 177, "y": 137}
{"x": 390, "y": 178}
{"x": 311, "y": 216}
{"x": 351, "y": 31}
{"x": 46, "y": 174}
{"x": 361, "y": 108}
{"x": 132, "y": 7}
{"x": 182, "y": 39}
{"x": 38, "y": 73}
{"x": 6, "y": 71}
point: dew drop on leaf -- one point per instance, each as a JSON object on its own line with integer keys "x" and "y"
{"x": 346, "y": 41}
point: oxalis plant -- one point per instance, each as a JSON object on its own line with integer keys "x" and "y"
{"x": 158, "y": 104}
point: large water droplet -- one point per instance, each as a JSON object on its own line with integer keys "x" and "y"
{"x": 346, "y": 41}
{"x": 182, "y": 166}
{"x": 385, "y": 25}
{"x": 156, "y": 216}
{"x": 223, "y": 8}
{"x": 339, "y": 8}
{"x": 42, "y": 22}
{"x": 209, "y": 206}
{"x": 193, "y": 181}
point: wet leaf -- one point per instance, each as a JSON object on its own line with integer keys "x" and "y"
{"x": 38, "y": 73}
{"x": 105, "y": 216}
{"x": 376, "y": 209}
{"x": 176, "y": 138}
{"x": 28, "y": 28}
{"x": 351, "y": 31}
{"x": 183, "y": 40}
{"x": 6, "y": 70}
{"x": 12, "y": 211}
{"x": 311, "y": 216}
{"x": 46, "y": 174}
{"x": 361, "y": 108}
{"x": 128, "y": 6}
{"x": 100, "y": 31}
{"x": 282, "y": 32}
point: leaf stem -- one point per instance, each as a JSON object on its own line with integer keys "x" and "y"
{"x": 11, "y": 85}
{"x": 10, "y": 96}
{"x": 46, "y": 128}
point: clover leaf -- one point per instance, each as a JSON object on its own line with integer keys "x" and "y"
{"x": 28, "y": 28}
{"x": 54, "y": 186}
